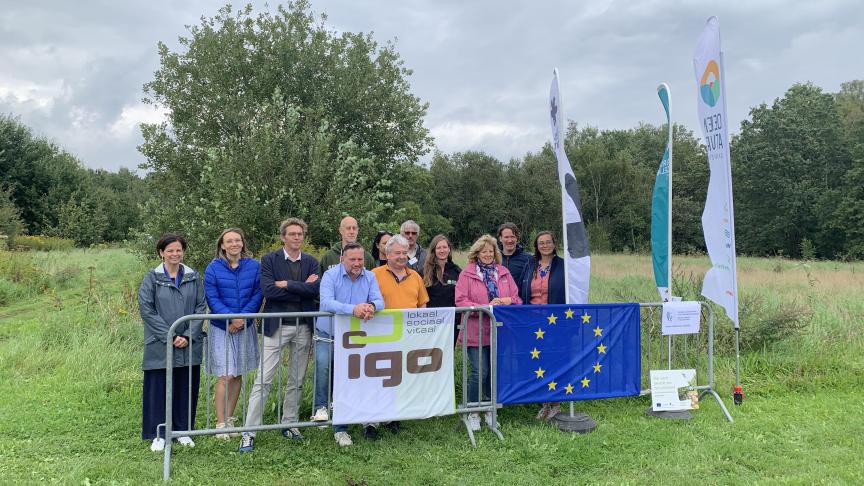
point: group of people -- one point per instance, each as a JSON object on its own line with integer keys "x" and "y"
{"x": 348, "y": 279}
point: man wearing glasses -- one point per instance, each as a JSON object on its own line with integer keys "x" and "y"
{"x": 289, "y": 281}
{"x": 416, "y": 254}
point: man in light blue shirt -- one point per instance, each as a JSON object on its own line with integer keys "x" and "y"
{"x": 346, "y": 289}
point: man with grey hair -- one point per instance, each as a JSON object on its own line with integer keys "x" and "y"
{"x": 410, "y": 230}
{"x": 402, "y": 288}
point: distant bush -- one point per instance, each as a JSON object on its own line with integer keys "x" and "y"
{"x": 9, "y": 292}
{"x": 808, "y": 250}
{"x": 20, "y": 278}
{"x": 44, "y": 243}
{"x": 763, "y": 323}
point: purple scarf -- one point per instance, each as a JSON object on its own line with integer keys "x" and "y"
{"x": 490, "y": 278}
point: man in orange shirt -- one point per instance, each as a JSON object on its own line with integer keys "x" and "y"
{"x": 402, "y": 288}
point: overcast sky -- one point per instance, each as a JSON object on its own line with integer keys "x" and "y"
{"x": 73, "y": 71}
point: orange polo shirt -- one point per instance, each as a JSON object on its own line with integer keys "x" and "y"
{"x": 407, "y": 293}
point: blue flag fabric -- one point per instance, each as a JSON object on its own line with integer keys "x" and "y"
{"x": 557, "y": 353}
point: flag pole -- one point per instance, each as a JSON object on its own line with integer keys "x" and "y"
{"x": 580, "y": 423}
{"x": 563, "y": 209}
{"x": 669, "y": 144}
{"x": 668, "y": 297}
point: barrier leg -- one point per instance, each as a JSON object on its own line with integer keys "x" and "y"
{"x": 719, "y": 401}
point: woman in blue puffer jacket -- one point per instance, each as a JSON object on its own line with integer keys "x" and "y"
{"x": 232, "y": 284}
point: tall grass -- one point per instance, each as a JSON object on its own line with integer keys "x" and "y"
{"x": 70, "y": 350}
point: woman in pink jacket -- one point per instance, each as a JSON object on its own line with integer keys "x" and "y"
{"x": 483, "y": 282}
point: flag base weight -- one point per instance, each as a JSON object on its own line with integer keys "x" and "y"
{"x": 669, "y": 415}
{"x": 574, "y": 422}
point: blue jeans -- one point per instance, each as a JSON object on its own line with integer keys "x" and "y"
{"x": 475, "y": 355}
{"x": 323, "y": 360}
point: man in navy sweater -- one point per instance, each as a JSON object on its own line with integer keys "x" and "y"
{"x": 289, "y": 281}
{"x": 513, "y": 256}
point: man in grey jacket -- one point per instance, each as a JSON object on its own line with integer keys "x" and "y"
{"x": 416, "y": 253}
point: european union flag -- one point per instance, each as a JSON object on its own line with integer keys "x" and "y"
{"x": 558, "y": 353}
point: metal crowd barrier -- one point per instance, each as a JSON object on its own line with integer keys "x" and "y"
{"x": 651, "y": 341}
{"x": 680, "y": 350}
{"x": 463, "y": 408}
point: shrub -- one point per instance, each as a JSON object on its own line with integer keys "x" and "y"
{"x": 808, "y": 250}
{"x": 9, "y": 292}
{"x": 763, "y": 323}
{"x": 44, "y": 243}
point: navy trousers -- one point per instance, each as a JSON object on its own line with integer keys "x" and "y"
{"x": 153, "y": 400}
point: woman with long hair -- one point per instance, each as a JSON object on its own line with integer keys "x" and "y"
{"x": 543, "y": 283}
{"x": 440, "y": 274}
{"x": 232, "y": 282}
{"x": 378, "y": 253}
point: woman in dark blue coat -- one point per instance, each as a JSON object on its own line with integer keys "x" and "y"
{"x": 543, "y": 283}
{"x": 232, "y": 284}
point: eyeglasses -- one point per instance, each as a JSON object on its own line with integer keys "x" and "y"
{"x": 294, "y": 235}
{"x": 409, "y": 232}
{"x": 545, "y": 243}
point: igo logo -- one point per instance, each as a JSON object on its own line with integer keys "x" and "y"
{"x": 396, "y": 335}
{"x": 389, "y": 365}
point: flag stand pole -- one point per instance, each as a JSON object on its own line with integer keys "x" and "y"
{"x": 665, "y": 414}
{"x": 574, "y": 422}
{"x": 577, "y": 422}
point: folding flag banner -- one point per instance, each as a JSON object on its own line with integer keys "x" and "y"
{"x": 577, "y": 259}
{"x": 556, "y": 353}
{"x": 718, "y": 217}
{"x": 661, "y": 211}
{"x": 395, "y": 366}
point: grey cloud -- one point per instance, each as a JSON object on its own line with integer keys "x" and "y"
{"x": 483, "y": 66}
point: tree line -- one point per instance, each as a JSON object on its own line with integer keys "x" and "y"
{"x": 44, "y": 190}
{"x": 275, "y": 114}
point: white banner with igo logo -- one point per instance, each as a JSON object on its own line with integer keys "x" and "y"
{"x": 395, "y": 366}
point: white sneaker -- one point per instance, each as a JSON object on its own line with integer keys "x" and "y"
{"x": 221, "y": 436}
{"x": 343, "y": 439}
{"x": 186, "y": 441}
{"x": 473, "y": 421}
{"x": 492, "y": 424}
{"x": 158, "y": 445}
{"x": 321, "y": 415}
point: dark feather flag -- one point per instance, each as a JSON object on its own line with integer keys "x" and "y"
{"x": 552, "y": 353}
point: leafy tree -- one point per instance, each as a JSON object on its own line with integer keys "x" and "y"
{"x": 274, "y": 115}
{"x": 790, "y": 161}
{"x": 39, "y": 175}
{"x": 471, "y": 185}
{"x": 82, "y": 219}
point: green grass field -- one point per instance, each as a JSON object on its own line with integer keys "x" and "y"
{"x": 70, "y": 386}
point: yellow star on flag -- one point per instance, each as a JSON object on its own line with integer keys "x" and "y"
{"x": 535, "y": 354}
{"x": 598, "y": 331}
{"x": 552, "y": 319}
{"x": 601, "y": 349}
{"x": 568, "y": 313}
{"x": 540, "y": 371}
{"x": 597, "y": 367}
{"x": 585, "y": 318}
{"x": 540, "y": 333}
{"x": 568, "y": 389}
{"x": 552, "y": 385}
{"x": 585, "y": 382}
